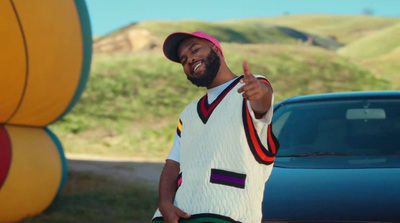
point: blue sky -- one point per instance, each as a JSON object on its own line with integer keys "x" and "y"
{"x": 109, "y": 15}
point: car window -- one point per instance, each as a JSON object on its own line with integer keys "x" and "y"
{"x": 347, "y": 127}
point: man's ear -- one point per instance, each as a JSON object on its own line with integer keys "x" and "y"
{"x": 216, "y": 50}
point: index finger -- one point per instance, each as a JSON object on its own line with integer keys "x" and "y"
{"x": 246, "y": 68}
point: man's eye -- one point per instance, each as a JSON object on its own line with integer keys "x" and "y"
{"x": 195, "y": 51}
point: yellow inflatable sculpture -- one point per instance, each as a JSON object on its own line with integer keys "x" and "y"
{"x": 45, "y": 57}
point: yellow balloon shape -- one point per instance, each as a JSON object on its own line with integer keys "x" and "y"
{"x": 45, "y": 57}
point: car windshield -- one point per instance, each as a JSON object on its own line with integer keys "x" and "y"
{"x": 368, "y": 129}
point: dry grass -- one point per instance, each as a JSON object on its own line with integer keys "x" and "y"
{"x": 88, "y": 197}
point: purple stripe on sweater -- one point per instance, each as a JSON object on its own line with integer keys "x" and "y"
{"x": 226, "y": 178}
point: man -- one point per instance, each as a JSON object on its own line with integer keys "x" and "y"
{"x": 224, "y": 147}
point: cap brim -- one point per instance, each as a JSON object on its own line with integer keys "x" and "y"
{"x": 171, "y": 44}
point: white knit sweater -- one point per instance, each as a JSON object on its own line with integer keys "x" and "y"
{"x": 224, "y": 164}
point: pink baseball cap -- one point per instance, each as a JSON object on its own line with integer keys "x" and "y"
{"x": 172, "y": 42}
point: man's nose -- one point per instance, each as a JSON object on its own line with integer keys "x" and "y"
{"x": 192, "y": 59}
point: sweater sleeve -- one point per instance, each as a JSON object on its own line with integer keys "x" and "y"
{"x": 263, "y": 144}
{"x": 261, "y": 125}
{"x": 174, "y": 153}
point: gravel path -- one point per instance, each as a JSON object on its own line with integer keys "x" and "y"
{"x": 129, "y": 170}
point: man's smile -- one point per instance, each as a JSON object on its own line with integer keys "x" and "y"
{"x": 196, "y": 66}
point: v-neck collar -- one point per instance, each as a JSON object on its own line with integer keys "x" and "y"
{"x": 213, "y": 93}
{"x": 205, "y": 110}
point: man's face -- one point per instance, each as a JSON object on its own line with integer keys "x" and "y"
{"x": 200, "y": 62}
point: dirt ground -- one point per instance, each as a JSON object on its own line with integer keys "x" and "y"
{"x": 129, "y": 170}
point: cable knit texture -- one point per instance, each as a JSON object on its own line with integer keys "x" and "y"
{"x": 220, "y": 143}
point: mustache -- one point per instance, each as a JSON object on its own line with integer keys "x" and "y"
{"x": 192, "y": 69}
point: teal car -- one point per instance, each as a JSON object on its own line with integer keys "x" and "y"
{"x": 339, "y": 159}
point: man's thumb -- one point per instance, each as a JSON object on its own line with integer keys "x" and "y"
{"x": 246, "y": 68}
{"x": 183, "y": 214}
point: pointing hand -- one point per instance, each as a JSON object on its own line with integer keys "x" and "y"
{"x": 252, "y": 88}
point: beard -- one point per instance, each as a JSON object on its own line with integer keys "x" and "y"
{"x": 212, "y": 64}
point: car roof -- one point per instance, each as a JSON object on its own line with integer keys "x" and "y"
{"x": 341, "y": 96}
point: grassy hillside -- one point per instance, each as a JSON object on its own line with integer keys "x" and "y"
{"x": 388, "y": 63}
{"x": 386, "y": 66}
{"x": 379, "y": 52}
{"x": 89, "y": 197}
{"x": 132, "y": 102}
{"x": 345, "y": 28}
{"x": 374, "y": 45}
{"x": 236, "y": 32}
{"x": 304, "y": 70}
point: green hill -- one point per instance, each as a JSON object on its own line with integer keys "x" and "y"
{"x": 386, "y": 66}
{"x": 132, "y": 101}
{"x": 327, "y": 31}
{"x": 379, "y": 52}
{"x": 237, "y": 32}
{"x": 344, "y": 28}
{"x": 374, "y": 45}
